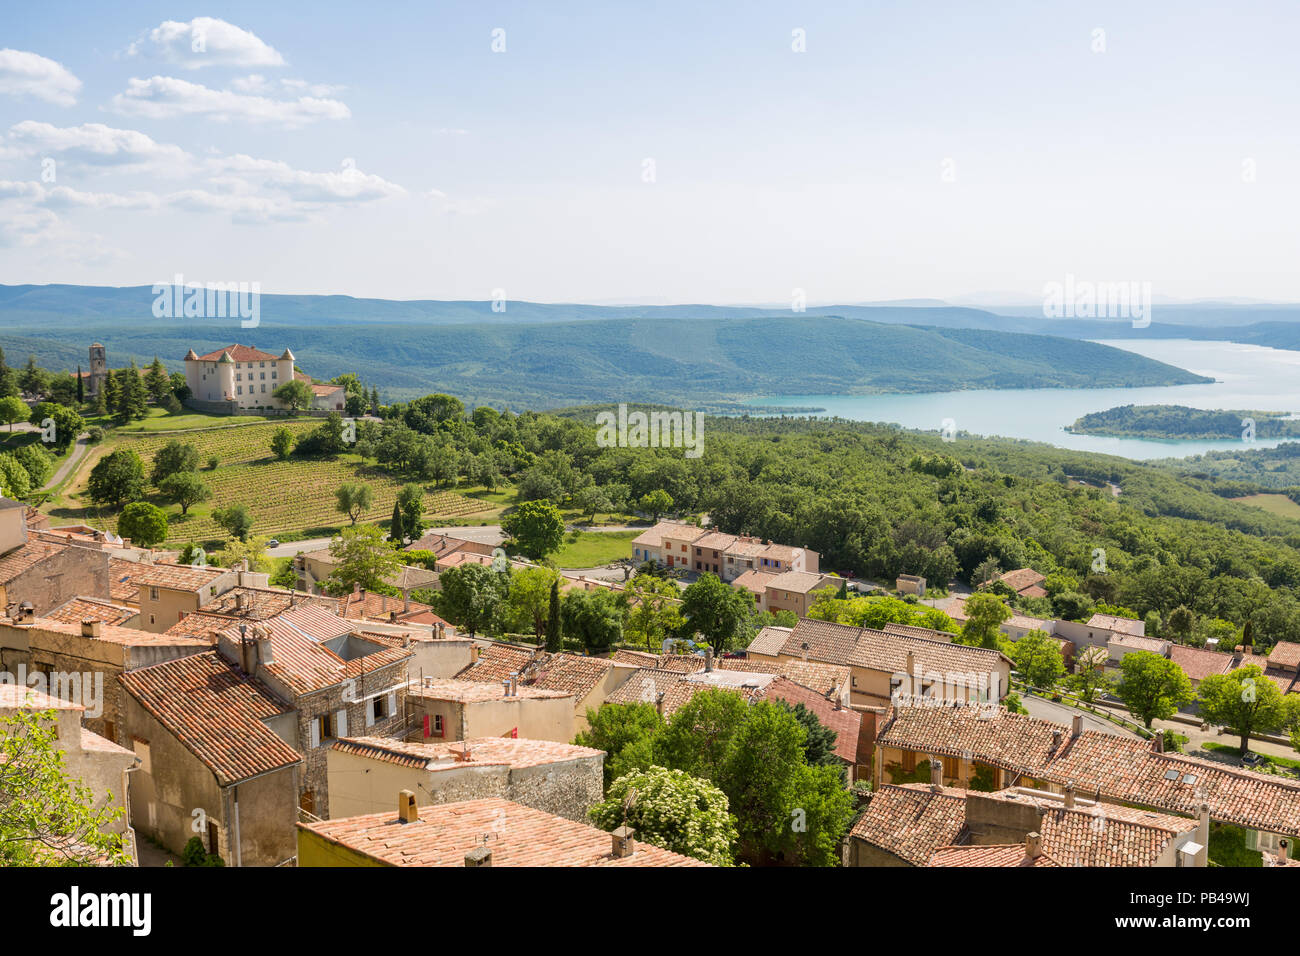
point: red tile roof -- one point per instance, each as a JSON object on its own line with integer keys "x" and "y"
{"x": 1199, "y": 664}
{"x": 215, "y": 711}
{"x": 846, "y": 723}
{"x": 240, "y": 353}
{"x": 516, "y": 752}
{"x": 572, "y": 673}
{"x": 912, "y": 821}
{"x": 1009, "y": 855}
{"x": 517, "y": 836}
{"x": 1285, "y": 654}
{"x": 84, "y": 608}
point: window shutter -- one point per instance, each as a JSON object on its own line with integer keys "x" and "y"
{"x": 315, "y": 733}
{"x": 392, "y": 704}
{"x": 370, "y": 713}
{"x": 341, "y": 722}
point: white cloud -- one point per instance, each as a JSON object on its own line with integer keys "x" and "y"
{"x": 206, "y": 41}
{"x": 95, "y": 144}
{"x": 166, "y": 97}
{"x": 241, "y": 208}
{"x": 62, "y": 197}
{"x": 29, "y": 74}
{"x": 347, "y": 185}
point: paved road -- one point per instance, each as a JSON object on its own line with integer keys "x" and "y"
{"x": 74, "y": 458}
{"x": 484, "y": 533}
{"x": 1060, "y": 714}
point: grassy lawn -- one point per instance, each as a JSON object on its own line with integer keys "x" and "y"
{"x": 159, "y": 420}
{"x": 1285, "y": 762}
{"x": 589, "y": 549}
{"x": 1280, "y": 505}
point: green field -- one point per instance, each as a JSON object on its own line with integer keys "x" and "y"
{"x": 1280, "y": 505}
{"x": 589, "y": 549}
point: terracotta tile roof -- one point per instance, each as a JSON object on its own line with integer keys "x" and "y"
{"x": 680, "y": 663}
{"x": 123, "y": 577}
{"x": 1118, "y": 768}
{"x": 714, "y": 541}
{"x": 1009, "y": 855}
{"x": 378, "y": 607}
{"x": 846, "y": 723}
{"x": 801, "y": 582}
{"x": 1120, "y": 625}
{"x": 572, "y": 673}
{"x": 82, "y": 608}
{"x": 515, "y": 752}
{"x": 1198, "y": 663}
{"x": 202, "y": 625}
{"x": 442, "y": 544}
{"x": 654, "y": 537}
{"x": 1021, "y": 578}
{"x": 113, "y": 634}
{"x": 216, "y": 712}
{"x": 912, "y": 821}
{"x": 240, "y": 353}
{"x": 181, "y": 577}
{"x": 473, "y": 691}
{"x": 26, "y": 557}
{"x": 815, "y": 675}
{"x": 912, "y": 630}
{"x": 261, "y": 603}
{"x": 647, "y": 684}
{"x": 445, "y": 832}
{"x": 878, "y": 650}
{"x": 19, "y": 697}
{"x": 769, "y": 640}
{"x": 755, "y": 581}
{"x": 1137, "y": 642}
{"x": 325, "y": 389}
{"x": 1285, "y": 654}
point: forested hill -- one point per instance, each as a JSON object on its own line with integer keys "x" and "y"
{"x": 701, "y": 362}
{"x": 1182, "y": 422}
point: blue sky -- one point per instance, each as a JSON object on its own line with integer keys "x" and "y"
{"x": 911, "y": 150}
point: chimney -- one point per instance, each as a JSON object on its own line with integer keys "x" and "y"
{"x": 406, "y": 810}
{"x": 241, "y": 600}
{"x": 505, "y": 687}
{"x": 1069, "y": 795}
{"x": 1056, "y": 740}
{"x": 936, "y": 775}
{"x": 804, "y": 648}
{"x": 1033, "y": 845}
{"x": 92, "y": 628}
{"x": 911, "y": 669}
{"x": 1203, "y": 825}
{"x": 708, "y": 659}
{"x": 1282, "y": 846}
{"x": 479, "y": 856}
{"x": 514, "y": 684}
{"x": 659, "y": 704}
{"x": 392, "y": 617}
{"x": 264, "y": 652}
{"x": 1158, "y": 743}
{"x": 623, "y": 843}
{"x": 1076, "y": 726}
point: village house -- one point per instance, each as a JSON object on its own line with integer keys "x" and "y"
{"x": 984, "y": 748}
{"x": 82, "y": 662}
{"x": 589, "y": 679}
{"x": 92, "y": 761}
{"x": 551, "y": 776}
{"x": 447, "y": 710}
{"x": 921, "y": 824}
{"x": 882, "y": 664}
{"x": 676, "y": 545}
{"x": 486, "y": 832}
{"x": 84, "y": 608}
{"x": 910, "y": 584}
{"x": 39, "y": 572}
{"x": 241, "y": 378}
{"x": 1282, "y": 666}
{"x": 1025, "y": 582}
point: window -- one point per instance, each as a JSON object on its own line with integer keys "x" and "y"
{"x": 322, "y": 728}
{"x": 153, "y": 594}
{"x": 239, "y": 390}
{"x": 951, "y": 767}
{"x": 909, "y": 761}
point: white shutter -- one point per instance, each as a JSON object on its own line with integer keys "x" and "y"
{"x": 370, "y": 714}
{"x": 341, "y": 722}
{"x": 315, "y": 733}
{"x": 392, "y": 704}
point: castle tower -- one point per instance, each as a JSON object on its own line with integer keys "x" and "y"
{"x": 98, "y": 370}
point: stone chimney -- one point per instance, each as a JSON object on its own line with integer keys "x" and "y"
{"x": 92, "y": 628}
{"x": 479, "y": 856}
{"x": 1056, "y": 739}
{"x": 1069, "y": 795}
{"x": 1282, "y": 846}
{"x": 1033, "y": 845}
{"x": 406, "y": 809}
{"x": 659, "y": 703}
{"x": 1203, "y": 825}
{"x": 936, "y": 775}
{"x": 505, "y": 687}
{"x": 708, "y": 659}
{"x": 1158, "y": 743}
{"x": 1076, "y": 726}
{"x": 623, "y": 844}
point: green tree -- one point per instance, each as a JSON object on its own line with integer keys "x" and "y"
{"x": 1244, "y": 702}
{"x": 173, "y": 457}
{"x": 652, "y": 609}
{"x": 536, "y": 528}
{"x": 671, "y": 810}
{"x": 294, "y": 395}
{"x": 984, "y": 616}
{"x": 38, "y": 463}
{"x": 143, "y": 523}
{"x": 471, "y": 596}
{"x": 353, "y": 500}
{"x": 362, "y": 558}
{"x": 48, "y": 817}
{"x": 529, "y": 600}
{"x": 64, "y": 422}
{"x": 554, "y": 629}
{"x": 253, "y": 551}
{"x": 158, "y": 383}
{"x": 626, "y": 732}
{"x": 282, "y": 442}
{"x": 1038, "y": 660}
{"x": 410, "y": 498}
{"x": 656, "y": 503}
{"x": 235, "y": 520}
{"x": 13, "y": 409}
{"x": 591, "y": 500}
{"x": 396, "y": 533}
{"x": 819, "y": 740}
{"x": 8, "y": 380}
{"x": 14, "y": 480}
{"x": 593, "y": 617}
{"x": 699, "y": 734}
{"x": 117, "y": 478}
{"x": 1151, "y": 686}
{"x": 33, "y": 379}
{"x": 185, "y": 488}
{"x": 1181, "y": 621}
{"x": 716, "y": 611}
{"x": 1090, "y": 674}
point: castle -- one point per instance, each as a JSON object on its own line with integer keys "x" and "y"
{"x": 242, "y": 378}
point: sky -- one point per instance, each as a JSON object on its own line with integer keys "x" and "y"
{"x": 653, "y": 152}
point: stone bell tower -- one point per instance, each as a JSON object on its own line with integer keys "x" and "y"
{"x": 98, "y": 370}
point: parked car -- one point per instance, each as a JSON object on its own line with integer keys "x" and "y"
{"x": 273, "y": 543}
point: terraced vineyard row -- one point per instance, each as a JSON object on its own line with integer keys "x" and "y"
{"x": 232, "y": 446}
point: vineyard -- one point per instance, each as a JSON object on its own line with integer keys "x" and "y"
{"x": 284, "y": 497}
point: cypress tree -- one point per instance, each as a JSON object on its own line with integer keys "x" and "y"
{"x": 81, "y": 392}
{"x": 554, "y": 639}
{"x": 109, "y": 391}
{"x": 8, "y": 381}
{"x": 395, "y": 532}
